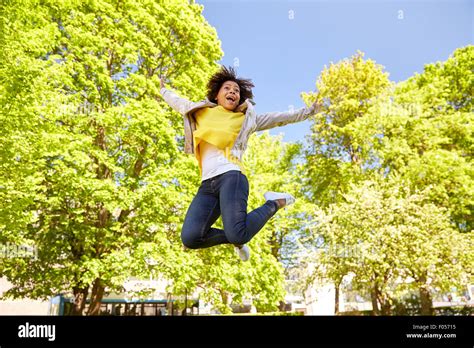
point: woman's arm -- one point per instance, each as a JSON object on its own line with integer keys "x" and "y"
{"x": 178, "y": 103}
{"x": 276, "y": 119}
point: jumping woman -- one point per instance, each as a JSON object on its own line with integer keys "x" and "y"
{"x": 217, "y": 131}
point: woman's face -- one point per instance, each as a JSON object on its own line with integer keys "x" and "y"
{"x": 229, "y": 95}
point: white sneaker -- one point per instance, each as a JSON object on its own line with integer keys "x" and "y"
{"x": 243, "y": 252}
{"x": 273, "y": 196}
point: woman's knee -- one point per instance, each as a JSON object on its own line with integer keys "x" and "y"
{"x": 189, "y": 240}
{"x": 237, "y": 238}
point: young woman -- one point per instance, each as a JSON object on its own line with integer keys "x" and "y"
{"x": 216, "y": 131}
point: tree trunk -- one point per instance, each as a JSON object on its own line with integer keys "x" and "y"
{"x": 386, "y": 307}
{"x": 425, "y": 296}
{"x": 225, "y": 301}
{"x": 224, "y": 297}
{"x": 80, "y": 298}
{"x": 96, "y": 297}
{"x": 374, "y": 299}
{"x": 274, "y": 245}
{"x": 336, "y": 302}
{"x": 185, "y": 301}
{"x": 426, "y": 301}
{"x": 381, "y": 304}
{"x": 169, "y": 303}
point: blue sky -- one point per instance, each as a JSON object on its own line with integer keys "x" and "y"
{"x": 284, "y": 45}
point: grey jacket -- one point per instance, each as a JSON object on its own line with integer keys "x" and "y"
{"x": 252, "y": 122}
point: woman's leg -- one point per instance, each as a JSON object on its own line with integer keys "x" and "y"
{"x": 240, "y": 227}
{"x": 202, "y": 213}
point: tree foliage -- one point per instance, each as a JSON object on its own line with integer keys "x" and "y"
{"x": 92, "y": 172}
{"x": 92, "y": 169}
{"x": 392, "y": 180}
{"x": 338, "y": 152}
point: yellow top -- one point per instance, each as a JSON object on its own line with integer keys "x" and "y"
{"x": 219, "y": 127}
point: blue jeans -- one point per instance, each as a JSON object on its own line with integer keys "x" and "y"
{"x": 224, "y": 194}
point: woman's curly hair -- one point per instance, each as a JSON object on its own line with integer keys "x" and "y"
{"x": 228, "y": 74}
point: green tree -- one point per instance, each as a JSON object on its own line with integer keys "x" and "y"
{"x": 413, "y": 137}
{"x": 92, "y": 173}
{"x": 276, "y": 166}
{"x": 400, "y": 241}
{"x": 339, "y": 152}
{"x": 426, "y": 134}
{"x": 273, "y": 166}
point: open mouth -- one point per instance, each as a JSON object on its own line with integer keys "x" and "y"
{"x": 231, "y": 99}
